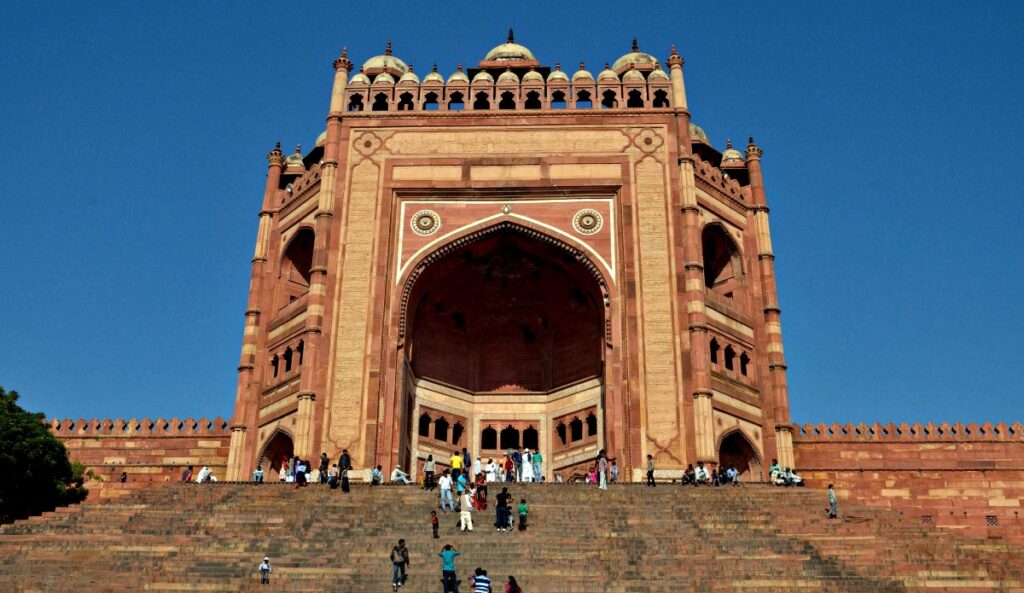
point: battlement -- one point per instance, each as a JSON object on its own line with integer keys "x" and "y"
{"x": 135, "y": 428}
{"x": 904, "y": 432}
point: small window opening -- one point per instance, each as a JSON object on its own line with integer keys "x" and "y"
{"x": 457, "y": 430}
{"x": 481, "y": 102}
{"x": 744, "y": 363}
{"x": 425, "y": 425}
{"x": 508, "y": 101}
{"x": 275, "y": 363}
{"x": 456, "y": 102}
{"x": 430, "y": 102}
{"x": 575, "y": 430}
{"x": 299, "y": 349}
{"x": 288, "y": 359}
{"x": 405, "y": 102}
{"x": 380, "y": 102}
{"x": 441, "y": 429}
{"x": 558, "y": 100}
{"x": 489, "y": 439}
{"x": 509, "y": 438}
{"x": 608, "y": 100}
{"x": 532, "y": 100}
{"x": 591, "y": 425}
{"x": 714, "y": 347}
{"x": 635, "y": 100}
{"x": 583, "y": 100}
{"x": 530, "y": 438}
{"x": 660, "y": 99}
{"x": 355, "y": 102}
{"x": 730, "y": 354}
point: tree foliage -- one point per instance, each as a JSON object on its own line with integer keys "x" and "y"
{"x": 36, "y": 474}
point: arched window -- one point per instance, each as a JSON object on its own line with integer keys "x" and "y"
{"x": 299, "y": 349}
{"x": 744, "y": 363}
{"x": 275, "y": 363}
{"x": 635, "y": 99}
{"x": 456, "y": 102}
{"x": 722, "y": 270}
{"x": 287, "y": 359}
{"x": 380, "y": 102}
{"x": 489, "y": 439}
{"x": 583, "y": 100}
{"x": 298, "y": 258}
{"x": 425, "y": 425}
{"x": 457, "y": 430}
{"x": 575, "y": 430}
{"x": 441, "y": 429}
{"x": 714, "y": 347}
{"x": 591, "y": 425}
{"x": 560, "y": 431}
{"x": 532, "y": 100}
{"x": 608, "y": 100}
{"x": 508, "y": 101}
{"x": 482, "y": 101}
{"x": 355, "y": 102}
{"x": 730, "y": 354}
{"x": 430, "y": 102}
{"x": 660, "y": 99}
{"x": 558, "y": 100}
{"x": 530, "y": 438}
{"x": 405, "y": 102}
{"x": 509, "y": 438}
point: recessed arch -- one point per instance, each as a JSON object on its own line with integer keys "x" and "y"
{"x": 735, "y": 448}
{"x": 279, "y": 444}
{"x": 723, "y": 263}
{"x": 297, "y": 257}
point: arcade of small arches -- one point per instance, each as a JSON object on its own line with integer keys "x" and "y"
{"x": 489, "y": 99}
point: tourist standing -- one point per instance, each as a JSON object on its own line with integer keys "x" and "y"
{"x": 333, "y": 475}
{"x": 602, "y": 470}
{"x": 501, "y": 510}
{"x": 833, "y": 504}
{"x": 186, "y": 476}
{"x": 300, "y": 473}
{"x": 523, "y": 510}
{"x": 345, "y": 461}
{"x": 538, "y": 466}
{"x": 399, "y": 564}
{"x": 448, "y": 578}
{"x": 465, "y": 511}
{"x": 344, "y": 479}
{"x": 613, "y": 472}
{"x": 325, "y": 464}
{"x": 456, "y": 463}
{"x": 491, "y": 470}
{"x": 428, "y": 473}
{"x": 512, "y": 586}
{"x": 445, "y": 483}
{"x": 434, "y": 523}
{"x": 478, "y": 468}
{"x": 527, "y": 473}
{"x": 517, "y": 463}
{"x": 265, "y": 570}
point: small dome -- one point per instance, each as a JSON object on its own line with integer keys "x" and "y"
{"x": 458, "y": 76}
{"x": 409, "y": 77}
{"x": 360, "y": 78}
{"x": 482, "y": 76}
{"x": 697, "y": 134}
{"x": 510, "y": 51}
{"x": 731, "y": 156}
{"x": 384, "y": 77}
{"x": 582, "y": 73}
{"x": 556, "y": 74}
{"x": 322, "y": 138}
{"x": 632, "y": 75}
{"x": 508, "y": 76}
{"x": 433, "y": 76}
{"x": 295, "y": 159}
{"x": 658, "y": 74}
{"x": 608, "y": 74}
{"x": 635, "y": 59}
{"x": 532, "y": 76}
{"x": 385, "y": 63}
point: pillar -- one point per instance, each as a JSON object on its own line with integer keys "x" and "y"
{"x": 675, "y": 67}
{"x": 306, "y": 438}
{"x": 772, "y": 312}
{"x": 246, "y": 396}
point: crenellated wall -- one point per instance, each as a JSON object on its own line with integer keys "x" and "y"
{"x": 968, "y": 477}
{"x": 150, "y": 451}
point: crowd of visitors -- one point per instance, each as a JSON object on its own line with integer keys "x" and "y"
{"x": 783, "y": 476}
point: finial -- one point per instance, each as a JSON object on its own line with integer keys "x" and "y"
{"x": 583, "y": 66}
{"x": 343, "y": 62}
{"x": 674, "y": 59}
{"x": 298, "y": 149}
{"x": 274, "y": 156}
{"x": 434, "y": 69}
{"x": 511, "y": 36}
{"x": 673, "y": 51}
{"x": 458, "y": 68}
{"x": 750, "y": 141}
{"x": 387, "y": 48}
{"x": 752, "y": 150}
{"x": 636, "y": 46}
{"x": 277, "y": 146}
{"x": 558, "y": 66}
{"x": 410, "y": 66}
{"x": 728, "y": 144}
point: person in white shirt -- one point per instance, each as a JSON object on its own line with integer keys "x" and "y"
{"x": 527, "y": 471}
{"x": 466, "y": 512}
{"x": 445, "y": 484}
{"x": 701, "y": 475}
{"x": 204, "y": 475}
{"x": 265, "y": 570}
{"x": 491, "y": 470}
{"x": 397, "y": 475}
{"x": 477, "y": 468}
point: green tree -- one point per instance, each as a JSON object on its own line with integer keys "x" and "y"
{"x": 37, "y": 476}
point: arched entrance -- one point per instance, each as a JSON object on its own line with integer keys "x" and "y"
{"x": 277, "y": 448}
{"x": 736, "y": 450}
{"x": 501, "y": 329}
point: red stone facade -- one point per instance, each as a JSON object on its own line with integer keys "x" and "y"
{"x": 538, "y": 257}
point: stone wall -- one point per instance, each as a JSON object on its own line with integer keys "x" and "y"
{"x": 964, "y": 477}
{"x": 149, "y": 451}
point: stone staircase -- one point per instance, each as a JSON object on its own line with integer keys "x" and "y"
{"x": 629, "y": 539}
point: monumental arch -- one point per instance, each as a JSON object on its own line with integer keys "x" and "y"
{"x": 514, "y": 255}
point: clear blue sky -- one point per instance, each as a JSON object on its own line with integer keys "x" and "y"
{"x": 134, "y": 142}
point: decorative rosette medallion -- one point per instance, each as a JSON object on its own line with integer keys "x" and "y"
{"x": 587, "y": 221}
{"x": 425, "y": 222}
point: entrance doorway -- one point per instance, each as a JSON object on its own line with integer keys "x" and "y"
{"x": 737, "y": 451}
{"x": 277, "y": 450}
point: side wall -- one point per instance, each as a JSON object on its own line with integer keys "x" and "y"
{"x": 151, "y": 452}
{"x": 969, "y": 478}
